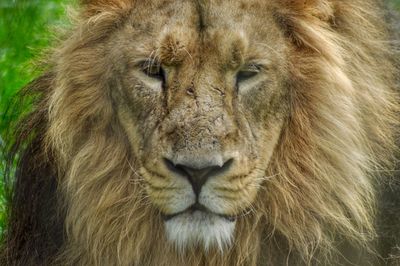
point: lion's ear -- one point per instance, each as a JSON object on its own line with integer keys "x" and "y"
{"x": 101, "y": 2}
{"x": 308, "y": 23}
{"x": 92, "y": 7}
{"x": 322, "y": 9}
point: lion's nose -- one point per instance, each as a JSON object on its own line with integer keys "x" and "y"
{"x": 198, "y": 176}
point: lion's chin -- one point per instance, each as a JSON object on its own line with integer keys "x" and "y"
{"x": 200, "y": 228}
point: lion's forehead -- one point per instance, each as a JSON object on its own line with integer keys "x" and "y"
{"x": 226, "y": 29}
{"x": 206, "y": 13}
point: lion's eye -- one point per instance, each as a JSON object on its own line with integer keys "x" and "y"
{"x": 247, "y": 73}
{"x": 153, "y": 70}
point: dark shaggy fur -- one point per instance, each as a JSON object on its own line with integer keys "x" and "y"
{"x": 35, "y": 230}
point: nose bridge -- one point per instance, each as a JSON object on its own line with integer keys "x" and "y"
{"x": 211, "y": 99}
{"x": 200, "y": 123}
{"x": 203, "y": 116}
{"x": 202, "y": 126}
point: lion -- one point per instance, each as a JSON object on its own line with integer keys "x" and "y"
{"x": 204, "y": 132}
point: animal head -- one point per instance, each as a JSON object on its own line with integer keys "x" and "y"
{"x": 202, "y": 101}
{"x": 203, "y": 123}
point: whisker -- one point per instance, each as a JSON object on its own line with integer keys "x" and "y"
{"x": 191, "y": 58}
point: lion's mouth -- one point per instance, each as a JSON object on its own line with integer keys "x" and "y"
{"x": 197, "y": 207}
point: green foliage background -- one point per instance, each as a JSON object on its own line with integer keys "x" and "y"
{"x": 25, "y": 30}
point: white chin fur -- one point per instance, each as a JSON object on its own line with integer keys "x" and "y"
{"x": 199, "y": 228}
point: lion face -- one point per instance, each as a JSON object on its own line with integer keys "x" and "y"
{"x": 202, "y": 100}
{"x": 165, "y": 117}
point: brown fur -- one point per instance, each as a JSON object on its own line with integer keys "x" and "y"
{"x": 315, "y": 148}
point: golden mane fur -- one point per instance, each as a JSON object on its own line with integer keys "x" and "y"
{"x": 335, "y": 149}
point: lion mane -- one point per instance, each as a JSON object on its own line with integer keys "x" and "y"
{"x": 78, "y": 198}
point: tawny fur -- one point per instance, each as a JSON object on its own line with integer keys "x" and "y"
{"x": 335, "y": 151}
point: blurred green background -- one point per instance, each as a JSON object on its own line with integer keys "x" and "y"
{"x": 26, "y": 28}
